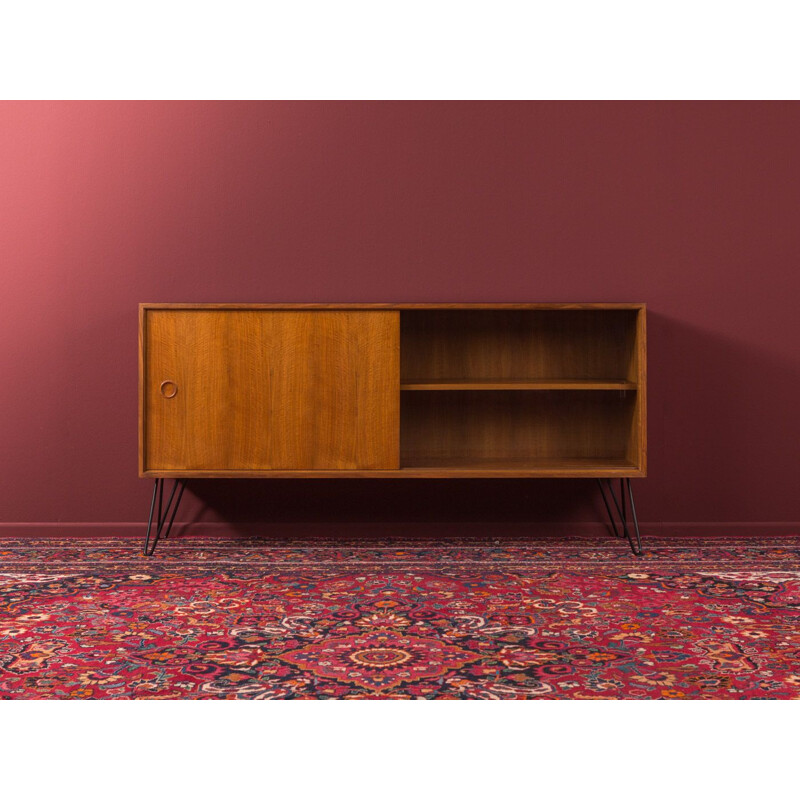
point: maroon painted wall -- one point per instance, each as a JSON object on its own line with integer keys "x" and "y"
{"x": 691, "y": 207}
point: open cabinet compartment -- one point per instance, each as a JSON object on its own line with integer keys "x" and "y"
{"x": 556, "y": 391}
{"x": 532, "y": 345}
{"x": 516, "y": 430}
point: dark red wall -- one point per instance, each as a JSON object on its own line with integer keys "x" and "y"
{"x": 691, "y": 207}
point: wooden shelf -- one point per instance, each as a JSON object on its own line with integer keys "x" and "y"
{"x": 527, "y": 467}
{"x": 522, "y": 384}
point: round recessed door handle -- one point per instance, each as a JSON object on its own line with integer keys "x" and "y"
{"x": 169, "y": 389}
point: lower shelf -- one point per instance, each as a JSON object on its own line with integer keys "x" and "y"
{"x": 511, "y": 384}
{"x": 524, "y": 467}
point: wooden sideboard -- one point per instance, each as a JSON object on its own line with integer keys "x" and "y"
{"x": 408, "y": 390}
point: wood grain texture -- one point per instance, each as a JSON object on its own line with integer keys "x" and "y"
{"x": 637, "y": 440}
{"x": 486, "y": 468}
{"x": 563, "y": 344}
{"x": 472, "y": 427}
{"x": 270, "y": 390}
{"x": 314, "y": 390}
{"x": 142, "y": 384}
{"x": 391, "y": 306}
{"x": 509, "y": 384}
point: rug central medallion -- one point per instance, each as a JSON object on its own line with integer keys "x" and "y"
{"x": 379, "y": 660}
{"x": 380, "y": 657}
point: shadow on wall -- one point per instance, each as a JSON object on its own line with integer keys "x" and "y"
{"x": 711, "y": 405}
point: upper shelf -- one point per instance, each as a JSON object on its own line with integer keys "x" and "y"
{"x": 472, "y": 384}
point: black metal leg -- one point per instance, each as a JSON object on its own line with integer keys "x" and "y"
{"x": 620, "y": 504}
{"x": 160, "y": 501}
{"x": 175, "y": 509}
{"x": 608, "y": 508}
{"x": 620, "y": 510}
{"x": 164, "y": 512}
{"x": 638, "y": 549}
{"x": 156, "y": 488}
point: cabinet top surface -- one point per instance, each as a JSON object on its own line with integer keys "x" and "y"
{"x": 399, "y": 306}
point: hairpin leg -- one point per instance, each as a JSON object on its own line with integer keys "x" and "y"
{"x": 620, "y": 504}
{"x": 175, "y": 508}
{"x": 164, "y": 513}
{"x": 608, "y": 507}
{"x": 638, "y": 551}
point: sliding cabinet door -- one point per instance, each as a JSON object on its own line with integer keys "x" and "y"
{"x": 229, "y": 389}
{"x": 334, "y": 389}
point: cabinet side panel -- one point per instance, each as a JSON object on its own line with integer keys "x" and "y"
{"x": 141, "y": 404}
{"x": 637, "y": 441}
{"x": 642, "y": 351}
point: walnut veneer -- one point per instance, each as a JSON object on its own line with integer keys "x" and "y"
{"x": 392, "y": 390}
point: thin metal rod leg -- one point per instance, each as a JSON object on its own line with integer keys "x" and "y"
{"x": 166, "y": 514}
{"x": 156, "y": 488}
{"x": 175, "y": 507}
{"x": 608, "y": 507}
{"x": 624, "y": 509}
{"x": 166, "y": 511}
{"x": 621, "y": 505}
{"x": 638, "y": 549}
{"x": 620, "y": 511}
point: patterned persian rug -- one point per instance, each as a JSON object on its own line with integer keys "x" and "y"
{"x": 468, "y": 618}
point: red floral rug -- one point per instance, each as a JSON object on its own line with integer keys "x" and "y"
{"x": 472, "y": 618}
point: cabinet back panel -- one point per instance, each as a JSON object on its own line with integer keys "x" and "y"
{"x": 514, "y": 426}
{"x": 537, "y": 344}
